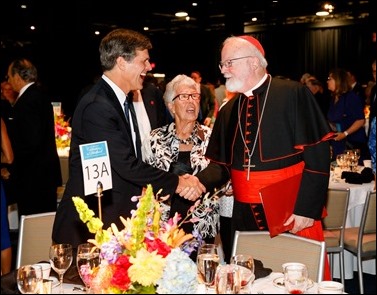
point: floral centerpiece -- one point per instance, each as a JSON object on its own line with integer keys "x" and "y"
{"x": 62, "y": 133}
{"x": 147, "y": 256}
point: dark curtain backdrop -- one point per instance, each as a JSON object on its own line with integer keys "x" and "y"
{"x": 68, "y": 62}
{"x": 290, "y": 52}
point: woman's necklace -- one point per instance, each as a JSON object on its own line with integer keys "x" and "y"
{"x": 190, "y": 139}
{"x": 250, "y": 153}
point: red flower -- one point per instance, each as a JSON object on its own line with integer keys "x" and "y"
{"x": 158, "y": 245}
{"x": 120, "y": 277}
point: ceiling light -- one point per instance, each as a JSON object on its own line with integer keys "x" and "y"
{"x": 181, "y": 14}
{"x": 322, "y": 13}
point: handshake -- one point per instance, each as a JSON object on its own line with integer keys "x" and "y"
{"x": 189, "y": 187}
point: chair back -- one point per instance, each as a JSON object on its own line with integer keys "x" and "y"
{"x": 273, "y": 252}
{"x": 367, "y": 232}
{"x": 34, "y": 238}
{"x": 337, "y": 208}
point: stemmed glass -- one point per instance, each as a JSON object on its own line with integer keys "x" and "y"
{"x": 86, "y": 260}
{"x": 296, "y": 278}
{"x": 61, "y": 260}
{"x": 245, "y": 261}
{"x": 207, "y": 262}
{"x": 29, "y": 279}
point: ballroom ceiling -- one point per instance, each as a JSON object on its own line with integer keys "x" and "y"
{"x": 86, "y": 16}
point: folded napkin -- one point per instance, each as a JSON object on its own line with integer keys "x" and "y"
{"x": 365, "y": 176}
{"x": 259, "y": 270}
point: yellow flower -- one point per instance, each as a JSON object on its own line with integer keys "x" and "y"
{"x": 147, "y": 267}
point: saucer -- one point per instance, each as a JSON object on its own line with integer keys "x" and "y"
{"x": 279, "y": 282}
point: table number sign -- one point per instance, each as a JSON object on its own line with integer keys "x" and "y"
{"x": 95, "y": 166}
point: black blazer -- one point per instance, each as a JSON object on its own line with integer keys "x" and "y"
{"x": 99, "y": 116}
{"x": 35, "y": 172}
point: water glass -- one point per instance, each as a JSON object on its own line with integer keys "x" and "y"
{"x": 295, "y": 278}
{"x": 207, "y": 262}
{"x": 228, "y": 279}
{"x": 29, "y": 279}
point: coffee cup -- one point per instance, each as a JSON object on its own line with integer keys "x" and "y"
{"x": 330, "y": 287}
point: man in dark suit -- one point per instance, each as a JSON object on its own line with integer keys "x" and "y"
{"x": 35, "y": 173}
{"x": 101, "y": 116}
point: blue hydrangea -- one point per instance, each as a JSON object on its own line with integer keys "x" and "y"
{"x": 180, "y": 274}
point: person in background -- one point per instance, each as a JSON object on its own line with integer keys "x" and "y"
{"x": 371, "y": 97}
{"x": 356, "y": 86}
{"x": 207, "y": 101}
{"x": 6, "y": 247}
{"x": 322, "y": 98}
{"x": 35, "y": 172}
{"x": 242, "y": 140}
{"x": 102, "y": 115}
{"x": 372, "y": 147}
{"x": 8, "y": 99}
{"x": 304, "y": 78}
{"x": 346, "y": 116}
{"x": 149, "y": 107}
{"x": 179, "y": 147}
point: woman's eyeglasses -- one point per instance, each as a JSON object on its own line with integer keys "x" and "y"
{"x": 186, "y": 96}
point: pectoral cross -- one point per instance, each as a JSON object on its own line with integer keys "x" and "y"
{"x": 248, "y": 166}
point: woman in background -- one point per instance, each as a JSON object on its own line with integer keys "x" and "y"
{"x": 346, "y": 116}
{"x": 6, "y": 248}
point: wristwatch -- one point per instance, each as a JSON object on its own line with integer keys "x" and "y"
{"x": 345, "y": 133}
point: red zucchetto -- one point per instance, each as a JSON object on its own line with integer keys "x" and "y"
{"x": 253, "y": 41}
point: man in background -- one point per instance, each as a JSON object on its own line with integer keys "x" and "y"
{"x": 207, "y": 100}
{"x": 35, "y": 172}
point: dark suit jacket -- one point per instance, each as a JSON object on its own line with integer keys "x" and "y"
{"x": 35, "y": 173}
{"x": 207, "y": 103}
{"x": 154, "y": 105}
{"x": 99, "y": 117}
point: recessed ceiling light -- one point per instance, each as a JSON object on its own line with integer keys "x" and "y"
{"x": 181, "y": 14}
{"x": 322, "y": 13}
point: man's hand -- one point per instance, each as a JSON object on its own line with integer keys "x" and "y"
{"x": 189, "y": 187}
{"x": 300, "y": 222}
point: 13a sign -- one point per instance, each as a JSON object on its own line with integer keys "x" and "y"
{"x": 95, "y": 166}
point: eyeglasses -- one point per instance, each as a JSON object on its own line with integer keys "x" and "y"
{"x": 228, "y": 63}
{"x": 186, "y": 96}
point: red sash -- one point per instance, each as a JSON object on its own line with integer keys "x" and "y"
{"x": 247, "y": 191}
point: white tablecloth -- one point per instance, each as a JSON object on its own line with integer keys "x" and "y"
{"x": 358, "y": 193}
{"x": 262, "y": 286}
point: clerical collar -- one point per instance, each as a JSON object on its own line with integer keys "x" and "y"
{"x": 250, "y": 92}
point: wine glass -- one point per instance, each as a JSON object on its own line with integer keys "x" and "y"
{"x": 245, "y": 261}
{"x": 207, "y": 262}
{"x": 29, "y": 279}
{"x": 295, "y": 278}
{"x": 86, "y": 260}
{"x": 61, "y": 260}
{"x": 228, "y": 279}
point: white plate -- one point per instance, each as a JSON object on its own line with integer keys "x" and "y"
{"x": 55, "y": 281}
{"x": 279, "y": 282}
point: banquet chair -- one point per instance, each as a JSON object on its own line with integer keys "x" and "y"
{"x": 334, "y": 225}
{"x": 34, "y": 238}
{"x": 286, "y": 247}
{"x": 361, "y": 241}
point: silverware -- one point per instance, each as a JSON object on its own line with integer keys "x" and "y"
{"x": 79, "y": 289}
